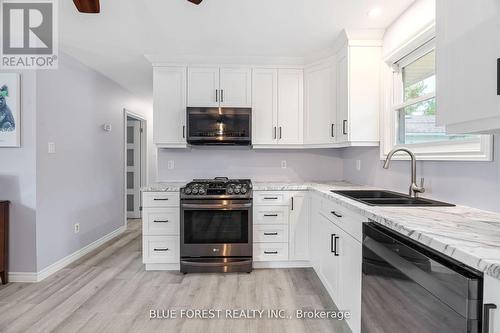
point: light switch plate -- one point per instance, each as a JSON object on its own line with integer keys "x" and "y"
{"x": 283, "y": 164}
{"x": 51, "y": 147}
{"x": 358, "y": 165}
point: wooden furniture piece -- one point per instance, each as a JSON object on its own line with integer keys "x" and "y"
{"x": 4, "y": 241}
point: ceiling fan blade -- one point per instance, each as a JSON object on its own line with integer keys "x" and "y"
{"x": 87, "y": 6}
{"x": 196, "y": 2}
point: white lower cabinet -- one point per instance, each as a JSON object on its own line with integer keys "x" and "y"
{"x": 270, "y": 251}
{"x": 281, "y": 226}
{"x": 336, "y": 256}
{"x": 160, "y": 230}
{"x": 299, "y": 227}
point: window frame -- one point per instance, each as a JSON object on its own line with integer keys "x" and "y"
{"x": 479, "y": 148}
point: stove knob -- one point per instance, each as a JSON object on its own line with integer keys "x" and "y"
{"x": 237, "y": 191}
{"x": 195, "y": 190}
{"x": 201, "y": 191}
{"x": 187, "y": 191}
{"x": 244, "y": 190}
{"x": 230, "y": 190}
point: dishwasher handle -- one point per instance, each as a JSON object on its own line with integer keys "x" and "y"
{"x": 486, "y": 320}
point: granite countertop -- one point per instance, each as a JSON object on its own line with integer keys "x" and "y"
{"x": 469, "y": 235}
{"x": 164, "y": 187}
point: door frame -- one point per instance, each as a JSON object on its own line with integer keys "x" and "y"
{"x": 144, "y": 153}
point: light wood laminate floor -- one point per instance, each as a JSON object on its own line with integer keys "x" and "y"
{"x": 109, "y": 291}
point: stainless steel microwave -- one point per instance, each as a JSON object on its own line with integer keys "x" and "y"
{"x": 219, "y": 126}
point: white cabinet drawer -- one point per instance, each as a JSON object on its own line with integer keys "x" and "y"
{"x": 161, "y": 249}
{"x": 269, "y": 233}
{"x": 161, "y": 221}
{"x": 343, "y": 218}
{"x": 270, "y": 252}
{"x": 270, "y": 214}
{"x": 160, "y": 199}
{"x": 270, "y": 198}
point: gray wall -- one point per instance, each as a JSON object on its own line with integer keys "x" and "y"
{"x": 259, "y": 165}
{"x": 475, "y": 184}
{"x": 83, "y": 182}
{"x": 17, "y": 182}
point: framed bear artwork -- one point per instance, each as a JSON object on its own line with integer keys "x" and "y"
{"x": 10, "y": 110}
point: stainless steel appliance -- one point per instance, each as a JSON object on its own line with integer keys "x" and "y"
{"x": 410, "y": 288}
{"x": 219, "y": 126}
{"x": 216, "y": 226}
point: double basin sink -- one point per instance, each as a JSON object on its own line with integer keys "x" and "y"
{"x": 389, "y": 198}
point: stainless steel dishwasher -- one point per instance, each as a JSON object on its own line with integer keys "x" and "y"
{"x": 407, "y": 287}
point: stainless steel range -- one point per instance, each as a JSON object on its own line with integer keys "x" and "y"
{"x": 216, "y": 226}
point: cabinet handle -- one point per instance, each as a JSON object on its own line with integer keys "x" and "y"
{"x": 280, "y": 133}
{"x": 184, "y": 131}
{"x": 222, "y": 95}
{"x": 498, "y": 76}
{"x": 161, "y": 250}
{"x": 292, "y": 203}
{"x": 344, "y": 127}
{"x": 335, "y": 250}
{"x": 270, "y": 198}
{"x": 270, "y": 215}
{"x": 486, "y": 320}
{"x": 274, "y": 133}
{"x": 216, "y": 95}
{"x": 332, "y": 247}
{"x": 270, "y": 234}
{"x": 160, "y": 199}
{"x": 161, "y": 221}
{"x": 333, "y": 130}
{"x": 335, "y": 213}
{"x": 270, "y": 252}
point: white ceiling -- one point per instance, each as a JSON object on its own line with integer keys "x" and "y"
{"x": 115, "y": 41}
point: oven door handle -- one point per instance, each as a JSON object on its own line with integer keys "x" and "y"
{"x": 216, "y": 206}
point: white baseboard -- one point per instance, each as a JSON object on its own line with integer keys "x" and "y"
{"x": 29, "y": 277}
{"x": 25, "y": 277}
{"x": 162, "y": 267}
{"x": 281, "y": 264}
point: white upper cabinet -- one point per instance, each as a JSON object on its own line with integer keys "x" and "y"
{"x": 358, "y": 93}
{"x": 203, "y": 87}
{"x": 265, "y": 106}
{"x": 290, "y": 106}
{"x": 215, "y": 86}
{"x": 277, "y": 107}
{"x": 169, "y": 106}
{"x": 235, "y": 87}
{"x": 319, "y": 99}
{"x": 467, "y": 53}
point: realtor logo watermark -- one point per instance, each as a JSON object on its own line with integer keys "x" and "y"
{"x": 29, "y": 34}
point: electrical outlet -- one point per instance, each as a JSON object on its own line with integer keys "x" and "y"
{"x": 171, "y": 164}
{"x": 358, "y": 165}
{"x": 77, "y": 228}
{"x": 283, "y": 164}
{"x": 51, "y": 147}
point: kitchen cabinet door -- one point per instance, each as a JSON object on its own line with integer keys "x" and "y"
{"x": 236, "y": 87}
{"x": 203, "y": 87}
{"x": 290, "y": 106}
{"x": 299, "y": 227}
{"x": 329, "y": 262}
{"x": 342, "y": 87}
{"x": 319, "y": 99}
{"x": 169, "y": 106}
{"x": 350, "y": 254}
{"x": 315, "y": 233}
{"x": 467, "y": 49}
{"x": 265, "y": 106}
